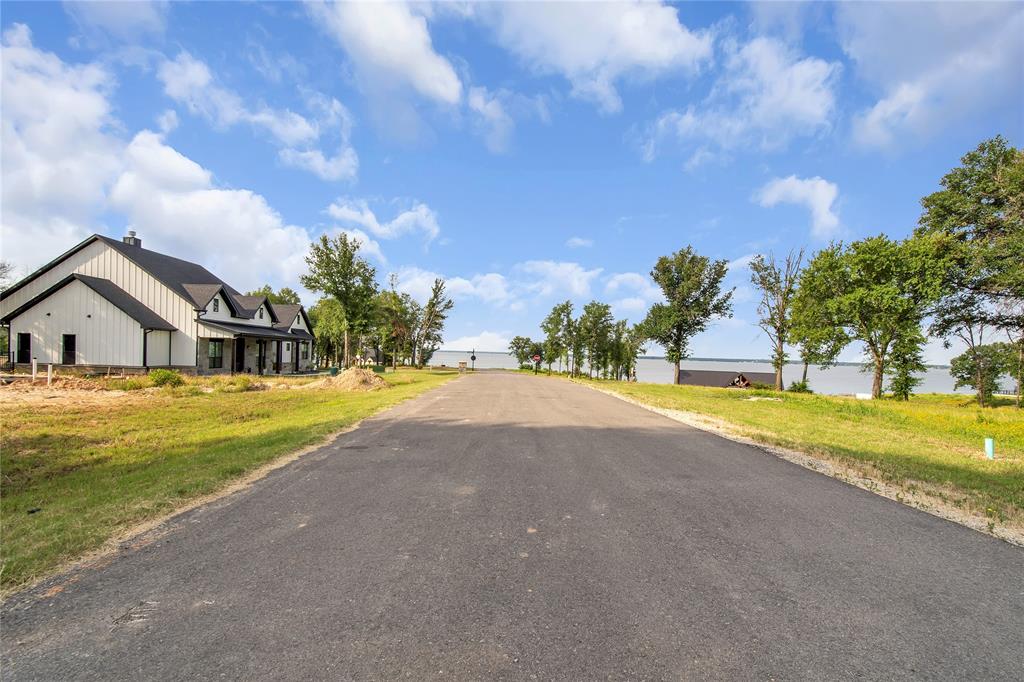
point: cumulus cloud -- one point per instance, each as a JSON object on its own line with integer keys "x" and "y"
{"x": 189, "y": 81}
{"x": 486, "y": 341}
{"x": 933, "y": 64}
{"x": 546, "y": 277}
{"x": 390, "y": 46}
{"x": 357, "y": 212}
{"x": 766, "y": 95}
{"x": 172, "y": 202}
{"x": 59, "y": 151}
{"x": 367, "y": 245}
{"x": 816, "y": 194}
{"x": 596, "y": 45}
{"x": 123, "y": 20}
{"x": 579, "y": 243}
{"x": 64, "y": 166}
{"x": 490, "y": 288}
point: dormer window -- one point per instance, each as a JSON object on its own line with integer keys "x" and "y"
{"x": 261, "y": 313}
{"x": 216, "y": 305}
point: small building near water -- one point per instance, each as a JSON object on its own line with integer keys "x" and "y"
{"x": 724, "y": 378}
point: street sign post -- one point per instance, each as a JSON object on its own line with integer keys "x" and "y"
{"x": 536, "y": 363}
{"x": 473, "y": 360}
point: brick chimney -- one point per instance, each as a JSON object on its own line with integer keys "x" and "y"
{"x": 131, "y": 239}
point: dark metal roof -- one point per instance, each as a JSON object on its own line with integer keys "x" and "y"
{"x": 721, "y": 378}
{"x": 302, "y": 334}
{"x": 172, "y": 272}
{"x": 248, "y": 330}
{"x": 120, "y": 298}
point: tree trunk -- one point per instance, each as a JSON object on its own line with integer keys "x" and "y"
{"x": 1020, "y": 370}
{"x": 876, "y": 385}
{"x": 779, "y": 385}
{"x": 675, "y": 373}
{"x": 346, "y": 349}
{"x": 805, "y": 373}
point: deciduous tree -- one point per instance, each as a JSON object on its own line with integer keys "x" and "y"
{"x": 777, "y": 283}
{"x": 337, "y": 269}
{"x": 692, "y": 285}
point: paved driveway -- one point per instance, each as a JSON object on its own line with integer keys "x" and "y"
{"x": 512, "y": 527}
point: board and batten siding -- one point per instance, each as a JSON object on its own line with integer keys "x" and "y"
{"x": 99, "y": 260}
{"x": 158, "y": 348}
{"x": 104, "y": 334}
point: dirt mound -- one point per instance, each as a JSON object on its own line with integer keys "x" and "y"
{"x": 352, "y": 379}
{"x": 68, "y": 383}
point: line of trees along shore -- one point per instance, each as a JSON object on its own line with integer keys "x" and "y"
{"x": 959, "y": 277}
{"x": 357, "y": 319}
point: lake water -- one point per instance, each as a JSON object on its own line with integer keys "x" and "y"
{"x": 841, "y": 379}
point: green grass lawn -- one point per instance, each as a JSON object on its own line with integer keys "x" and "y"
{"x": 934, "y": 442}
{"x": 92, "y": 472}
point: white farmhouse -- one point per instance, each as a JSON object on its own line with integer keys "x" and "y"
{"x": 113, "y": 304}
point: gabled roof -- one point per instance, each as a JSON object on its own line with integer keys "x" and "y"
{"x": 286, "y": 313}
{"x": 188, "y": 280}
{"x": 250, "y": 304}
{"x": 117, "y": 296}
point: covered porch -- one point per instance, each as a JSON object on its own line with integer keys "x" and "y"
{"x": 244, "y": 349}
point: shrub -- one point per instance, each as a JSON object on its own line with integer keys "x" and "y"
{"x": 800, "y": 387}
{"x": 761, "y": 386}
{"x": 166, "y": 377}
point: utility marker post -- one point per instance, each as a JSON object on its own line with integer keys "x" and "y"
{"x": 49, "y": 375}
{"x": 990, "y": 448}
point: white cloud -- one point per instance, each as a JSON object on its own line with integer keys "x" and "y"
{"x": 341, "y": 166}
{"x": 189, "y": 81}
{"x": 390, "y": 47}
{"x": 167, "y": 121}
{"x": 742, "y": 262}
{"x": 63, "y": 167}
{"x": 816, "y": 194}
{"x": 486, "y": 342}
{"x": 596, "y": 45}
{"x": 490, "y": 287}
{"x": 494, "y": 114}
{"x": 124, "y": 20}
{"x": 557, "y": 277}
{"x": 59, "y": 153}
{"x": 579, "y": 243}
{"x": 495, "y": 123}
{"x": 934, "y": 64}
{"x": 420, "y": 218}
{"x": 641, "y": 285}
{"x": 171, "y": 201}
{"x": 766, "y": 96}
{"x": 367, "y": 244}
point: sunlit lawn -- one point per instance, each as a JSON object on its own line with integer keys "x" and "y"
{"x": 92, "y": 471}
{"x": 931, "y": 439}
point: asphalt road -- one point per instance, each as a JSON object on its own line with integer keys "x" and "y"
{"x": 511, "y": 527}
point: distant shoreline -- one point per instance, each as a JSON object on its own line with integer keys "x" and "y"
{"x": 662, "y": 357}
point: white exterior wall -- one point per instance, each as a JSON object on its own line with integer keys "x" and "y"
{"x": 267, "y": 321}
{"x": 158, "y": 349}
{"x": 106, "y": 337}
{"x": 99, "y": 260}
{"x": 223, "y": 310}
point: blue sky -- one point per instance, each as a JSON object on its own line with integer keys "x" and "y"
{"x": 528, "y": 153}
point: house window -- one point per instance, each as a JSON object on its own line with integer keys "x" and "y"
{"x": 305, "y": 351}
{"x": 216, "y": 353}
{"x": 288, "y": 346}
{"x": 216, "y": 305}
{"x": 261, "y": 313}
{"x": 68, "y": 356}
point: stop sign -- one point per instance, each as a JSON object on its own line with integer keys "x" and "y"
{"x": 536, "y": 358}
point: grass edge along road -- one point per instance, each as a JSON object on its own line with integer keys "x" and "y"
{"x": 77, "y": 476}
{"x": 930, "y": 446}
